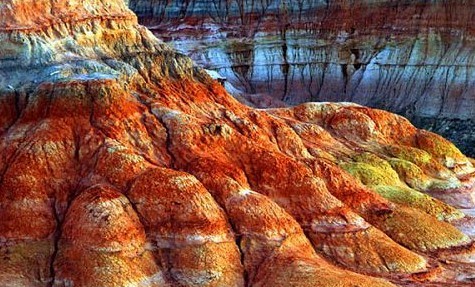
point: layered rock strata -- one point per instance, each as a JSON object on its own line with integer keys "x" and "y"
{"x": 414, "y": 58}
{"x": 123, "y": 164}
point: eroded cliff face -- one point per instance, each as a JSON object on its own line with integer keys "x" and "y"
{"x": 414, "y": 58}
{"x": 122, "y": 164}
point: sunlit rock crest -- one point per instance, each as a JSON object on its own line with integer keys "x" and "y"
{"x": 123, "y": 164}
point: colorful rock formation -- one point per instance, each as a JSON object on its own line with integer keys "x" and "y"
{"x": 123, "y": 164}
{"x": 414, "y": 58}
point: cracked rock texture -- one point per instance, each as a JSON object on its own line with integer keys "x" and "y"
{"x": 123, "y": 164}
{"x": 414, "y": 58}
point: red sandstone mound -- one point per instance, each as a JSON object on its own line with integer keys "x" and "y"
{"x": 122, "y": 164}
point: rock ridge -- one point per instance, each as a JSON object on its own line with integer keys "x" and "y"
{"x": 413, "y": 58}
{"x": 123, "y": 164}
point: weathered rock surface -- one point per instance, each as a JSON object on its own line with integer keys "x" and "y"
{"x": 414, "y": 58}
{"x": 122, "y": 164}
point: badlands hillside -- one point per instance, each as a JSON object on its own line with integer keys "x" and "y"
{"x": 124, "y": 164}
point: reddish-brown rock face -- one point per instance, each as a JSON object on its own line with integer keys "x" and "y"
{"x": 122, "y": 164}
{"x": 411, "y": 57}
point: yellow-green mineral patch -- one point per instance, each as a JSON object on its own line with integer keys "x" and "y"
{"x": 415, "y": 177}
{"x": 421, "y": 232}
{"x": 422, "y": 159}
{"x": 379, "y": 175}
{"x": 410, "y": 197}
{"x": 443, "y": 150}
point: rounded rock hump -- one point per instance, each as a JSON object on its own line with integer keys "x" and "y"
{"x": 123, "y": 164}
{"x": 103, "y": 244}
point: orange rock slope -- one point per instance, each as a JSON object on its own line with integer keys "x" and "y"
{"x": 122, "y": 164}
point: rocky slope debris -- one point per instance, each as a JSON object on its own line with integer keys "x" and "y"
{"x": 123, "y": 164}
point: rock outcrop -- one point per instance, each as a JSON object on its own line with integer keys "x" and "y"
{"x": 123, "y": 164}
{"x": 413, "y": 58}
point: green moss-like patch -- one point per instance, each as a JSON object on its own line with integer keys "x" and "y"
{"x": 411, "y": 154}
{"x": 384, "y": 177}
{"x": 411, "y": 174}
{"x": 422, "y": 159}
{"x": 375, "y": 161}
{"x": 410, "y": 197}
{"x": 370, "y": 175}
